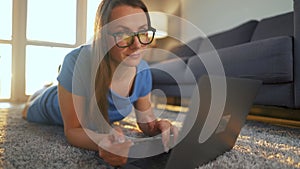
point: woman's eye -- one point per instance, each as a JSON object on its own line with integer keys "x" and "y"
{"x": 119, "y": 33}
{"x": 123, "y": 34}
{"x": 143, "y": 30}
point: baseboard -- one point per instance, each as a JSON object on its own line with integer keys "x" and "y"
{"x": 276, "y": 121}
{"x": 275, "y": 115}
{"x": 276, "y": 112}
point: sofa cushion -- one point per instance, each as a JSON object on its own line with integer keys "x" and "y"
{"x": 269, "y": 60}
{"x": 235, "y": 36}
{"x": 186, "y": 50}
{"x": 169, "y": 72}
{"x": 280, "y": 25}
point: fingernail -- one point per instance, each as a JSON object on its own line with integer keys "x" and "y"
{"x": 121, "y": 140}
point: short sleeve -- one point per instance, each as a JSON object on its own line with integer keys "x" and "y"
{"x": 75, "y": 72}
{"x": 66, "y": 73}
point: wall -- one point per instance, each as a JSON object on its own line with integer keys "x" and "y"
{"x": 213, "y": 16}
{"x": 170, "y": 7}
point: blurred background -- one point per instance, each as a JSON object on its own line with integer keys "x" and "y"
{"x": 35, "y": 35}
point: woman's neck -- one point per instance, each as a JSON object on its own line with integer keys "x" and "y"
{"x": 121, "y": 72}
{"x": 123, "y": 77}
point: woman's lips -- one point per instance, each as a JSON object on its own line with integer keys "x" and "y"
{"x": 134, "y": 55}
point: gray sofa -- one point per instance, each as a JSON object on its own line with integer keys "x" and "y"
{"x": 268, "y": 50}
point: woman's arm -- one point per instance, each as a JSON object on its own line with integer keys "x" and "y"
{"x": 74, "y": 133}
{"x": 148, "y": 123}
{"x": 110, "y": 148}
{"x": 146, "y": 119}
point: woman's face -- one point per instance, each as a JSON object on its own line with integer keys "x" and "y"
{"x": 123, "y": 23}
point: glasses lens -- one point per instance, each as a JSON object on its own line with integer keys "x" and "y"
{"x": 146, "y": 37}
{"x": 126, "y": 39}
{"x": 123, "y": 39}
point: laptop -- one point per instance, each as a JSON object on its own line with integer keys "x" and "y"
{"x": 210, "y": 128}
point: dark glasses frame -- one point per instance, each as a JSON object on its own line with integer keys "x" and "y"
{"x": 132, "y": 35}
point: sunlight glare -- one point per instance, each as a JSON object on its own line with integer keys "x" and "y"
{"x": 6, "y": 19}
{"x": 42, "y": 66}
{"x": 5, "y": 71}
{"x": 91, "y": 14}
{"x": 52, "y": 20}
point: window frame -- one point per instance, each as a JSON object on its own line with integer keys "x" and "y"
{"x": 19, "y": 43}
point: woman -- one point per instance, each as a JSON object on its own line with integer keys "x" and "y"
{"x": 121, "y": 76}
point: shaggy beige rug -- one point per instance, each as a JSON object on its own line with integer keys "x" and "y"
{"x": 28, "y": 145}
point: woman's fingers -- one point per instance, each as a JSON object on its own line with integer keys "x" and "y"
{"x": 115, "y": 153}
{"x": 166, "y": 129}
{"x": 112, "y": 159}
{"x": 174, "y": 130}
{"x": 114, "y": 148}
{"x": 118, "y": 135}
{"x": 166, "y": 140}
{"x": 120, "y": 149}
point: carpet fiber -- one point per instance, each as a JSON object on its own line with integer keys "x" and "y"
{"x": 28, "y": 145}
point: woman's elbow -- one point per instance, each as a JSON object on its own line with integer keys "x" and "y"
{"x": 69, "y": 136}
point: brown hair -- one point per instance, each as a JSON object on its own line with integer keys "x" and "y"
{"x": 104, "y": 73}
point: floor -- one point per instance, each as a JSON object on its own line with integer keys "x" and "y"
{"x": 29, "y": 145}
{"x": 252, "y": 116}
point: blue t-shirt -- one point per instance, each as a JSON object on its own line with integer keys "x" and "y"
{"x": 77, "y": 76}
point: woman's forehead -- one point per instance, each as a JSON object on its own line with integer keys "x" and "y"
{"x": 128, "y": 17}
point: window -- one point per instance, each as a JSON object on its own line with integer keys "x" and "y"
{"x": 49, "y": 34}
{"x": 5, "y": 48}
{"x": 52, "y": 20}
{"x": 5, "y": 19}
{"x": 91, "y": 13}
{"x": 42, "y": 66}
{"x": 5, "y": 71}
{"x": 44, "y": 32}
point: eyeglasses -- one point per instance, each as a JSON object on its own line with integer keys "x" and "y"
{"x": 125, "y": 39}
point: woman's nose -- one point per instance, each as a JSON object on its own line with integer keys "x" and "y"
{"x": 136, "y": 43}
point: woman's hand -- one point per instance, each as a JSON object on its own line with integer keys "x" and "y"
{"x": 114, "y": 148}
{"x": 150, "y": 125}
{"x": 167, "y": 129}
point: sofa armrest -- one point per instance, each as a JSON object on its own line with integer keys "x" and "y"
{"x": 297, "y": 52}
{"x": 169, "y": 72}
{"x": 269, "y": 60}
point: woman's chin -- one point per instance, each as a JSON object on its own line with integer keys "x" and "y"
{"x": 132, "y": 61}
